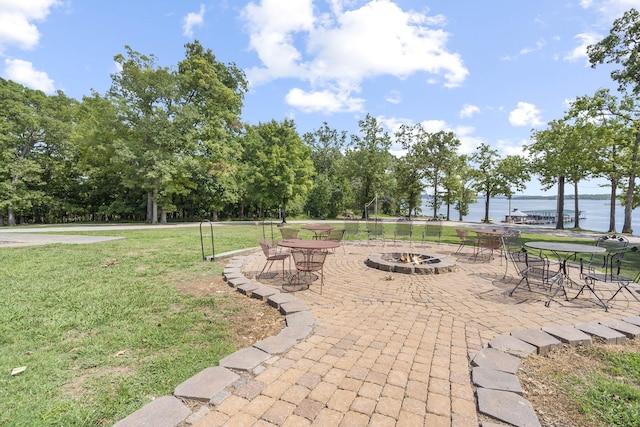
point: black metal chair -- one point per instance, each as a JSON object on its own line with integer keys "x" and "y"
{"x": 511, "y": 242}
{"x": 613, "y": 243}
{"x": 532, "y": 267}
{"x": 609, "y": 276}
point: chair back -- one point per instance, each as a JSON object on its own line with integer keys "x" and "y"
{"x": 308, "y": 260}
{"x": 269, "y": 247}
{"x": 432, "y": 228}
{"x": 404, "y": 229}
{"x": 519, "y": 261}
{"x": 336, "y": 235}
{"x": 352, "y": 227}
{"x": 289, "y": 233}
{"x": 511, "y": 240}
{"x": 612, "y": 242}
{"x": 375, "y": 229}
{"x": 489, "y": 241}
{"x": 462, "y": 233}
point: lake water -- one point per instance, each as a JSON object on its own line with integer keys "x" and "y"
{"x": 596, "y": 212}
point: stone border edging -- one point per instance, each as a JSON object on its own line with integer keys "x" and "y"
{"x": 494, "y": 368}
{"x": 236, "y": 370}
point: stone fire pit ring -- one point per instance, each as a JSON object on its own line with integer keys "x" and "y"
{"x": 432, "y": 264}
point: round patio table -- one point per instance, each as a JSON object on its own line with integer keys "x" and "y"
{"x": 320, "y": 231}
{"x": 309, "y": 244}
{"x": 564, "y": 251}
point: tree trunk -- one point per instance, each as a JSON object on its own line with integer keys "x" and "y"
{"x": 163, "y": 216}
{"x": 612, "y": 206}
{"x": 486, "y": 207}
{"x": 628, "y": 205}
{"x": 149, "y": 207}
{"x": 154, "y": 208}
{"x": 576, "y": 207}
{"x": 560, "y": 204}
{"x": 284, "y": 212}
{"x": 12, "y": 217}
{"x": 214, "y": 216}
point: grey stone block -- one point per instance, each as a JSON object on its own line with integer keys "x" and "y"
{"x": 630, "y": 330}
{"x": 263, "y": 292}
{"x": 507, "y": 407}
{"x": 494, "y": 359}
{"x": 568, "y": 335}
{"x": 165, "y": 411}
{"x": 542, "y": 340}
{"x": 295, "y": 332}
{"x": 293, "y": 307}
{"x": 280, "y": 298}
{"x": 302, "y": 318}
{"x": 245, "y": 359}
{"x": 634, "y": 320}
{"x": 496, "y": 380}
{"x": 247, "y": 288}
{"x": 206, "y": 384}
{"x": 275, "y": 345}
{"x": 512, "y": 345}
{"x": 607, "y": 334}
{"x": 238, "y": 281}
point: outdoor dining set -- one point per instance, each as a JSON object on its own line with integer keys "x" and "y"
{"x": 598, "y": 267}
{"x": 551, "y": 265}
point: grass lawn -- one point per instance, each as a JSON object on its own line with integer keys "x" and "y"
{"x": 103, "y": 328}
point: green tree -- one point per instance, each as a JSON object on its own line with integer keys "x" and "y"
{"x": 487, "y": 180}
{"x": 330, "y": 192}
{"x": 434, "y": 152}
{"x": 35, "y": 159}
{"x": 367, "y": 161}
{"x": 280, "y": 168}
{"x": 622, "y": 47}
{"x": 515, "y": 172}
{"x": 610, "y": 140}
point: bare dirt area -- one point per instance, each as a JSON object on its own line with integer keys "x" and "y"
{"x": 544, "y": 379}
{"x": 249, "y": 319}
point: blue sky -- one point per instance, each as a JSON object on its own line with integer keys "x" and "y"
{"x": 490, "y": 71}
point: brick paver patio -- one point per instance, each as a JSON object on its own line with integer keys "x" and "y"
{"x": 394, "y": 349}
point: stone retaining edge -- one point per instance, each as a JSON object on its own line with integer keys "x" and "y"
{"x": 215, "y": 384}
{"x": 494, "y": 368}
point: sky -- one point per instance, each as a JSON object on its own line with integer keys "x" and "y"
{"x": 489, "y": 71}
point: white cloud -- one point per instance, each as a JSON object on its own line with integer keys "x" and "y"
{"x": 394, "y": 97}
{"x": 16, "y": 22}
{"x": 610, "y": 9}
{"x": 22, "y": 72}
{"x": 580, "y": 51}
{"x": 539, "y": 45}
{"x": 336, "y": 50}
{"x": 325, "y": 101}
{"x": 193, "y": 20}
{"x": 525, "y": 114}
{"x": 468, "y": 110}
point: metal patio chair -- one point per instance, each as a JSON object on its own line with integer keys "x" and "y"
{"x": 272, "y": 253}
{"x": 610, "y": 276}
{"x": 432, "y": 230}
{"x": 403, "y": 229}
{"x": 307, "y": 262}
{"x": 465, "y": 240}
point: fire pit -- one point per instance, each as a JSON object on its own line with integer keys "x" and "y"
{"x": 411, "y": 263}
